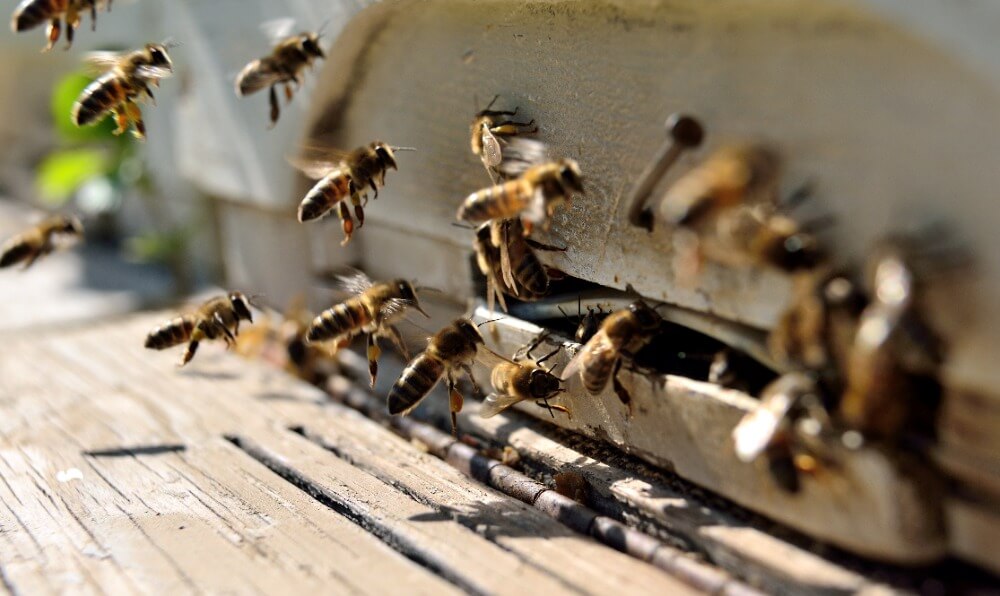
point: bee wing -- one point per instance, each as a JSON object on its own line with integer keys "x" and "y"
{"x": 355, "y": 282}
{"x": 521, "y": 154}
{"x": 392, "y": 307}
{"x": 496, "y": 403}
{"x": 503, "y": 229}
{"x": 599, "y": 346}
{"x": 754, "y": 432}
{"x": 277, "y": 30}
{"x": 316, "y": 169}
{"x": 153, "y": 72}
{"x": 492, "y": 154}
{"x": 96, "y": 63}
{"x": 489, "y": 358}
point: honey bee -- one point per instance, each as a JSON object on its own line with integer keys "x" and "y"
{"x": 285, "y": 65}
{"x": 587, "y": 323}
{"x": 38, "y": 241}
{"x": 756, "y": 235}
{"x": 489, "y": 130}
{"x": 768, "y": 429}
{"x": 348, "y": 178}
{"x": 895, "y": 356}
{"x": 32, "y": 13}
{"x": 451, "y": 351}
{"x": 532, "y": 197}
{"x": 520, "y": 380}
{"x": 512, "y": 268}
{"x": 621, "y": 335}
{"x": 126, "y": 80}
{"x": 372, "y": 310}
{"x": 733, "y": 175}
{"x": 217, "y": 318}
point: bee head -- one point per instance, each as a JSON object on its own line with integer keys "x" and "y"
{"x": 786, "y": 246}
{"x": 158, "y": 56}
{"x": 543, "y": 385}
{"x": 570, "y": 176}
{"x": 469, "y": 330}
{"x": 241, "y": 306}
{"x": 385, "y": 154}
{"x": 644, "y": 315}
{"x": 70, "y": 225}
{"x": 310, "y": 45}
{"x": 405, "y": 291}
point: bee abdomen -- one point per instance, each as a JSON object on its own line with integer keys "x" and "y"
{"x": 417, "y": 380}
{"x": 530, "y": 274}
{"x": 100, "y": 96}
{"x": 175, "y": 332}
{"x": 14, "y": 252}
{"x": 342, "y": 319}
{"x": 596, "y": 373}
{"x": 32, "y": 13}
{"x": 324, "y": 195}
{"x": 500, "y": 201}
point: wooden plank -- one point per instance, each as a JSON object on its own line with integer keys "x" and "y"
{"x": 207, "y": 518}
{"x": 577, "y": 561}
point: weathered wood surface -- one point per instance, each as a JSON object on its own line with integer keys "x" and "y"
{"x": 118, "y": 477}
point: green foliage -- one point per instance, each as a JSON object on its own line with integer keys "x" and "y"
{"x": 158, "y": 247}
{"x": 63, "y": 171}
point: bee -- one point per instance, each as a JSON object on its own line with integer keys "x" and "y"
{"x": 520, "y": 380}
{"x": 38, "y": 241}
{"x": 217, "y": 318}
{"x": 587, "y": 323}
{"x": 621, "y": 335}
{"x": 512, "y": 268}
{"x": 733, "y": 175}
{"x": 768, "y": 429}
{"x": 285, "y": 65}
{"x": 761, "y": 235}
{"x": 349, "y": 178}
{"x": 127, "y": 78}
{"x": 451, "y": 351}
{"x": 489, "y": 130}
{"x": 532, "y": 197}
{"x": 372, "y": 310}
{"x": 32, "y": 13}
{"x": 895, "y": 355}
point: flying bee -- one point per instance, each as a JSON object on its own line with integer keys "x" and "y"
{"x": 349, "y": 178}
{"x": 32, "y": 13}
{"x": 489, "y": 130}
{"x": 762, "y": 235}
{"x": 451, "y": 351}
{"x": 522, "y": 379}
{"x": 769, "y": 429}
{"x": 127, "y": 78}
{"x": 512, "y": 268}
{"x": 895, "y": 356}
{"x": 217, "y": 318}
{"x": 733, "y": 175}
{"x": 39, "y": 240}
{"x": 532, "y": 197}
{"x": 285, "y": 65}
{"x": 372, "y": 310}
{"x": 621, "y": 335}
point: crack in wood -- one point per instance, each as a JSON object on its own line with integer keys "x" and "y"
{"x": 348, "y": 510}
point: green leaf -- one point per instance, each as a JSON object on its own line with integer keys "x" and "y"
{"x": 157, "y": 247}
{"x": 62, "y": 172}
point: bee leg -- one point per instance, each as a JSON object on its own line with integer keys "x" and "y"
{"x": 196, "y": 336}
{"x": 397, "y": 340}
{"x": 455, "y": 403}
{"x": 547, "y": 247}
{"x": 544, "y": 403}
{"x": 620, "y": 390}
{"x": 374, "y": 187}
{"x": 149, "y": 93}
{"x": 134, "y": 115}
{"x": 53, "y": 31}
{"x": 93, "y": 15}
{"x": 226, "y": 333}
{"x": 30, "y": 260}
{"x": 121, "y": 120}
{"x": 359, "y": 210}
{"x": 288, "y": 92}
{"x": 373, "y": 353}
{"x": 346, "y": 222}
{"x": 275, "y": 108}
{"x": 476, "y": 389}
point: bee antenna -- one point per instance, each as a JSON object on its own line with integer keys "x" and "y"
{"x": 171, "y": 43}
{"x": 322, "y": 28}
{"x": 490, "y": 321}
{"x": 462, "y": 224}
{"x": 428, "y": 289}
{"x": 403, "y": 148}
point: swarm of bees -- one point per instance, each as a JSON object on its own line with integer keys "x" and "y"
{"x": 863, "y": 360}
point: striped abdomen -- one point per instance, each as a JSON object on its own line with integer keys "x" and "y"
{"x": 345, "y": 319}
{"x": 598, "y": 360}
{"x": 417, "y": 380}
{"x": 174, "y": 332}
{"x": 99, "y": 98}
{"x": 528, "y": 270}
{"x": 32, "y": 13}
{"x": 496, "y": 202}
{"x": 16, "y": 250}
{"x": 329, "y": 191}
